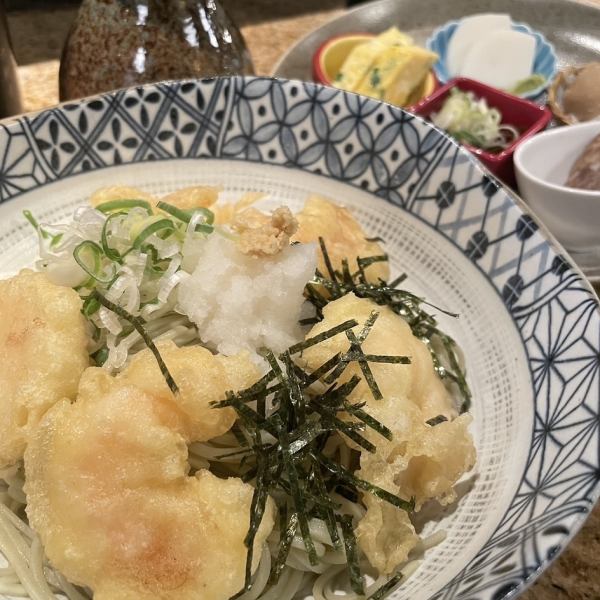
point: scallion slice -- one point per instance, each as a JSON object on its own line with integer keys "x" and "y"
{"x": 164, "y": 225}
{"x": 88, "y": 255}
{"x": 186, "y": 215}
{"x": 121, "y": 205}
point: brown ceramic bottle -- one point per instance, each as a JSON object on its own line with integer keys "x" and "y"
{"x": 10, "y": 102}
{"x": 119, "y": 43}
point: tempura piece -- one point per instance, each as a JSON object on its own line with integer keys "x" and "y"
{"x": 390, "y": 335}
{"x": 343, "y": 235}
{"x": 43, "y": 352}
{"x": 120, "y": 192}
{"x": 201, "y": 377}
{"x": 264, "y": 235}
{"x": 109, "y": 494}
{"x": 226, "y": 213}
{"x": 421, "y": 461}
{"x": 193, "y": 197}
{"x": 185, "y": 198}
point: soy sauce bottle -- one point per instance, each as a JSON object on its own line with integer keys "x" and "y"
{"x": 119, "y": 43}
{"x": 10, "y": 99}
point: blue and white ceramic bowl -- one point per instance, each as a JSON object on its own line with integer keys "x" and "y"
{"x": 528, "y": 322}
{"x": 544, "y": 62}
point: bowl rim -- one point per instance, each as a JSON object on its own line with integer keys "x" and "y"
{"x": 521, "y": 165}
{"x": 536, "y": 33}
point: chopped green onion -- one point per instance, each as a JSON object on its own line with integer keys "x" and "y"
{"x": 160, "y": 225}
{"x": 120, "y": 205}
{"x": 111, "y": 253}
{"x": 33, "y": 221}
{"x": 100, "y": 356}
{"x": 88, "y": 255}
{"x": 90, "y": 306}
{"x": 185, "y": 215}
{"x": 54, "y": 239}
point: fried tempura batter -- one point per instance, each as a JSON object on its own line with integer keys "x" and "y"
{"x": 120, "y": 192}
{"x": 421, "y": 461}
{"x": 201, "y": 377}
{"x": 109, "y": 494}
{"x": 185, "y": 198}
{"x": 390, "y": 335}
{"x": 343, "y": 235}
{"x": 43, "y": 352}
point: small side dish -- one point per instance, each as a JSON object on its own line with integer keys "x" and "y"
{"x": 471, "y": 120}
{"x": 557, "y": 171}
{"x": 387, "y": 66}
{"x": 494, "y": 50}
{"x": 574, "y": 96}
{"x": 489, "y": 122}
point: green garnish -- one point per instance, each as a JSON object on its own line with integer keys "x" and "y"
{"x": 325, "y": 288}
{"x": 291, "y": 467}
{"x": 88, "y": 255}
{"x": 109, "y": 252}
{"x": 288, "y": 527}
{"x": 375, "y": 78}
{"x": 100, "y": 356}
{"x": 356, "y": 579}
{"x": 121, "y": 205}
{"x": 528, "y": 84}
{"x": 162, "y": 225}
{"x": 339, "y": 76}
{"x": 54, "y": 239}
{"x": 185, "y": 215}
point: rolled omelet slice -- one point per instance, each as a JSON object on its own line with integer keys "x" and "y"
{"x": 362, "y": 56}
{"x": 396, "y": 73}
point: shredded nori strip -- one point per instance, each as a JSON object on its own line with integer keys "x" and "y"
{"x": 321, "y": 337}
{"x": 301, "y": 409}
{"x": 436, "y": 420}
{"x": 335, "y": 284}
{"x": 349, "y": 478}
{"x": 288, "y": 526}
{"x": 356, "y": 411}
{"x": 257, "y": 510}
{"x": 386, "y": 588}
{"x": 138, "y": 323}
{"x": 297, "y": 496}
{"x": 364, "y": 365}
{"x": 327, "y": 512}
{"x": 353, "y": 562}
